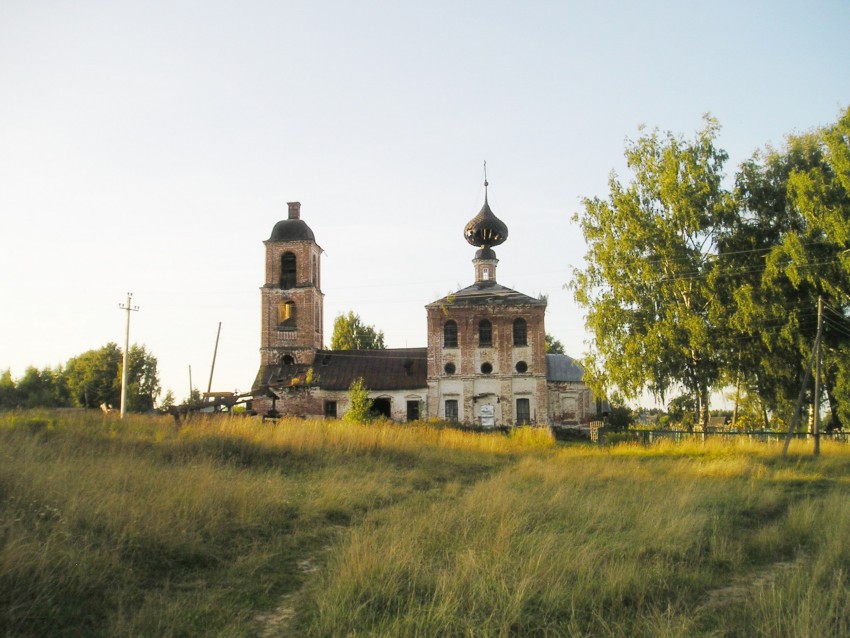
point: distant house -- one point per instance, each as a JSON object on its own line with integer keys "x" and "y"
{"x": 485, "y": 362}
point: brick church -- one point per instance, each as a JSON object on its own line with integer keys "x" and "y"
{"x": 485, "y": 363}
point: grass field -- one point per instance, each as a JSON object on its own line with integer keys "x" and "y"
{"x": 232, "y": 527}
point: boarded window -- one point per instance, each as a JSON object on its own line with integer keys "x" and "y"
{"x": 520, "y": 332}
{"x": 287, "y": 270}
{"x": 485, "y": 333}
{"x": 451, "y": 410}
{"x": 450, "y": 334}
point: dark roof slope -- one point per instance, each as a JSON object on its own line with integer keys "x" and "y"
{"x": 560, "y": 367}
{"x": 292, "y": 230}
{"x": 486, "y": 294}
{"x": 396, "y": 369}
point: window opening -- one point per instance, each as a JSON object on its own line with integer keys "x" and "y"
{"x": 286, "y": 313}
{"x": 486, "y": 367}
{"x": 450, "y": 334}
{"x": 451, "y": 410}
{"x": 449, "y": 368}
{"x": 485, "y": 333}
{"x": 523, "y": 412}
{"x": 287, "y": 270}
{"x": 413, "y": 410}
{"x": 330, "y": 409}
{"x": 382, "y": 407}
{"x": 521, "y": 367}
{"x": 520, "y": 332}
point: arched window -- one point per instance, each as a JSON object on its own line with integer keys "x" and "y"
{"x": 450, "y": 334}
{"x": 286, "y": 313}
{"x": 520, "y": 332}
{"x": 485, "y": 333}
{"x": 287, "y": 270}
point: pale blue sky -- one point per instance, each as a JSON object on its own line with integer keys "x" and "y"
{"x": 151, "y": 147}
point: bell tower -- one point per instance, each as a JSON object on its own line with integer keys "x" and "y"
{"x": 292, "y": 298}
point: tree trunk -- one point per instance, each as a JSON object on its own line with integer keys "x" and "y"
{"x": 703, "y": 406}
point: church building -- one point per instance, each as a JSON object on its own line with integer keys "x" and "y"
{"x": 485, "y": 363}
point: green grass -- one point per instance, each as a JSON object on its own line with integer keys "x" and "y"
{"x": 233, "y": 527}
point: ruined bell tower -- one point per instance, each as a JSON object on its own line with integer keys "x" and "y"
{"x": 291, "y": 297}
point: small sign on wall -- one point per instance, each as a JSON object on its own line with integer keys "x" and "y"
{"x": 488, "y": 415}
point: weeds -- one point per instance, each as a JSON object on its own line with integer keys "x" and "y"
{"x": 231, "y": 526}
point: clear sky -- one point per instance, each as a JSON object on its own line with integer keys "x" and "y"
{"x": 151, "y": 147}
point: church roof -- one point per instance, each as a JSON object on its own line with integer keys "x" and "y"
{"x": 485, "y": 229}
{"x": 486, "y": 293}
{"x": 560, "y": 367}
{"x": 394, "y": 369}
{"x": 293, "y": 228}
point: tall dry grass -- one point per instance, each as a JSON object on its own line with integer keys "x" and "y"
{"x": 588, "y": 542}
{"x": 236, "y": 527}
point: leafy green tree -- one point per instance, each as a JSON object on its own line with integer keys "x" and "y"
{"x": 168, "y": 401}
{"x": 650, "y": 250}
{"x": 787, "y": 247}
{"x": 8, "y": 391}
{"x": 553, "y": 346}
{"x": 142, "y": 380}
{"x": 360, "y": 405}
{"x": 682, "y": 409}
{"x": 93, "y": 377}
{"x": 350, "y": 333}
{"x": 41, "y": 388}
{"x": 620, "y": 417}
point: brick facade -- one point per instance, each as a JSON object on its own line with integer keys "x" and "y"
{"x": 485, "y": 363}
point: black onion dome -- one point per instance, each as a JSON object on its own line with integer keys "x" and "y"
{"x": 485, "y": 229}
{"x": 292, "y": 230}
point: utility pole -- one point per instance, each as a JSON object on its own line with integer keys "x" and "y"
{"x": 129, "y": 308}
{"x": 215, "y": 352}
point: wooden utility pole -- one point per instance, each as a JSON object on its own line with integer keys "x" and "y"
{"x": 215, "y": 352}
{"x": 129, "y": 308}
